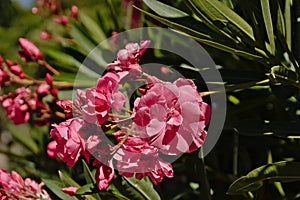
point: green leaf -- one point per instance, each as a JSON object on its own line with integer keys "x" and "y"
{"x": 23, "y": 134}
{"x": 280, "y": 22}
{"x": 86, "y": 45}
{"x": 265, "y": 6}
{"x": 70, "y": 63}
{"x": 143, "y": 187}
{"x": 55, "y": 187}
{"x": 276, "y": 172}
{"x": 164, "y": 10}
{"x": 218, "y": 11}
{"x": 206, "y": 39}
{"x": 88, "y": 188}
{"x": 67, "y": 180}
{"x": 93, "y": 28}
{"x": 206, "y": 20}
{"x": 89, "y": 177}
{"x": 288, "y": 24}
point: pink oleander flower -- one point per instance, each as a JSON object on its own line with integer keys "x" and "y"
{"x": 172, "y": 117}
{"x": 67, "y": 106}
{"x": 70, "y": 144}
{"x": 128, "y": 58}
{"x": 13, "y": 186}
{"x": 29, "y": 51}
{"x": 104, "y": 175}
{"x": 95, "y": 107}
{"x": 19, "y": 105}
{"x": 138, "y": 157}
{"x": 96, "y": 102}
{"x": 70, "y": 190}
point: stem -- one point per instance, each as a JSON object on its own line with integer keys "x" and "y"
{"x": 127, "y": 110}
{"x": 115, "y": 148}
{"x": 235, "y": 154}
{"x": 237, "y": 87}
{"x": 119, "y": 116}
{"x": 49, "y": 67}
{"x": 205, "y": 187}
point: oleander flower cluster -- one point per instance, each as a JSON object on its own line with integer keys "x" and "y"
{"x": 27, "y": 101}
{"x": 13, "y": 186}
{"x": 166, "y": 119}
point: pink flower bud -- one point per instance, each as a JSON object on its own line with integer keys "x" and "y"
{"x": 30, "y": 51}
{"x": 164, "y": 70}
{"x": 43, "y": 90}
{"x": 49, "y": 79}
{"x": 9, "y": 63}
{"x": 45, "y": 35}
{"x": 1, "y": 59}
{"x": 35, "y": 10}
{"x": 74, "y": 11}
{"x": 51, "y": 149}
{"x": 64, "y": 20}
{"x": 16, "y": 69}
{"x": 70, "y": 190}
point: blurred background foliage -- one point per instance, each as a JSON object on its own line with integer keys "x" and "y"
{"x": 259, "y": 68}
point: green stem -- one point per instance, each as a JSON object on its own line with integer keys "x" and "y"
{"x": 205, "y": 187}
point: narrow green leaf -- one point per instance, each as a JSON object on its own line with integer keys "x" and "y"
{"x": 93, "y": 28}
{"x": 70, "y": 63}
{"x": 276, "y": 172}
{"x": 89, "y": 177}
{"x": 164, "y": 10}
{"x": 228, "y": 3}
{"x": 88, "y": 188}
{"x": 55, "y": 187}
{"x": 280, "y": 21}
{"x": 206, "y": 39}
{"x": 87, "y": 45}
{"x": 143, "y": 187}
{"x": 205, "y": 19}
{"x": 265, "y": 6}
{"x": 22, "y": 133}
{"x": 218, "y": 11}
{"x": 67, "y": 180}
{"x": 288, "y": 24}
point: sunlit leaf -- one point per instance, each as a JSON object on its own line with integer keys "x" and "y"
{"x": 22, "y": 133}
{"x": 87, "y": 45}
{"x": 93, "y": 28}
{"x": 218, "y": 11}
{"x": 280, "y": 171}
{"x": 206, "y": 39}
{"x": 67, "y": 180}
{"x": 69, "y": 62}
{"x": 88, "y": 188}
{"x": 265, "y": 6}
{"x": 164, "y": 10}
{"x": 141, "y": 188}
{"x": 55, "y": 187}
{"x": 288, "y": 23}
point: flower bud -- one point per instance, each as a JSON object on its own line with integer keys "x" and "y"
{"x": 30, "y": 51}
